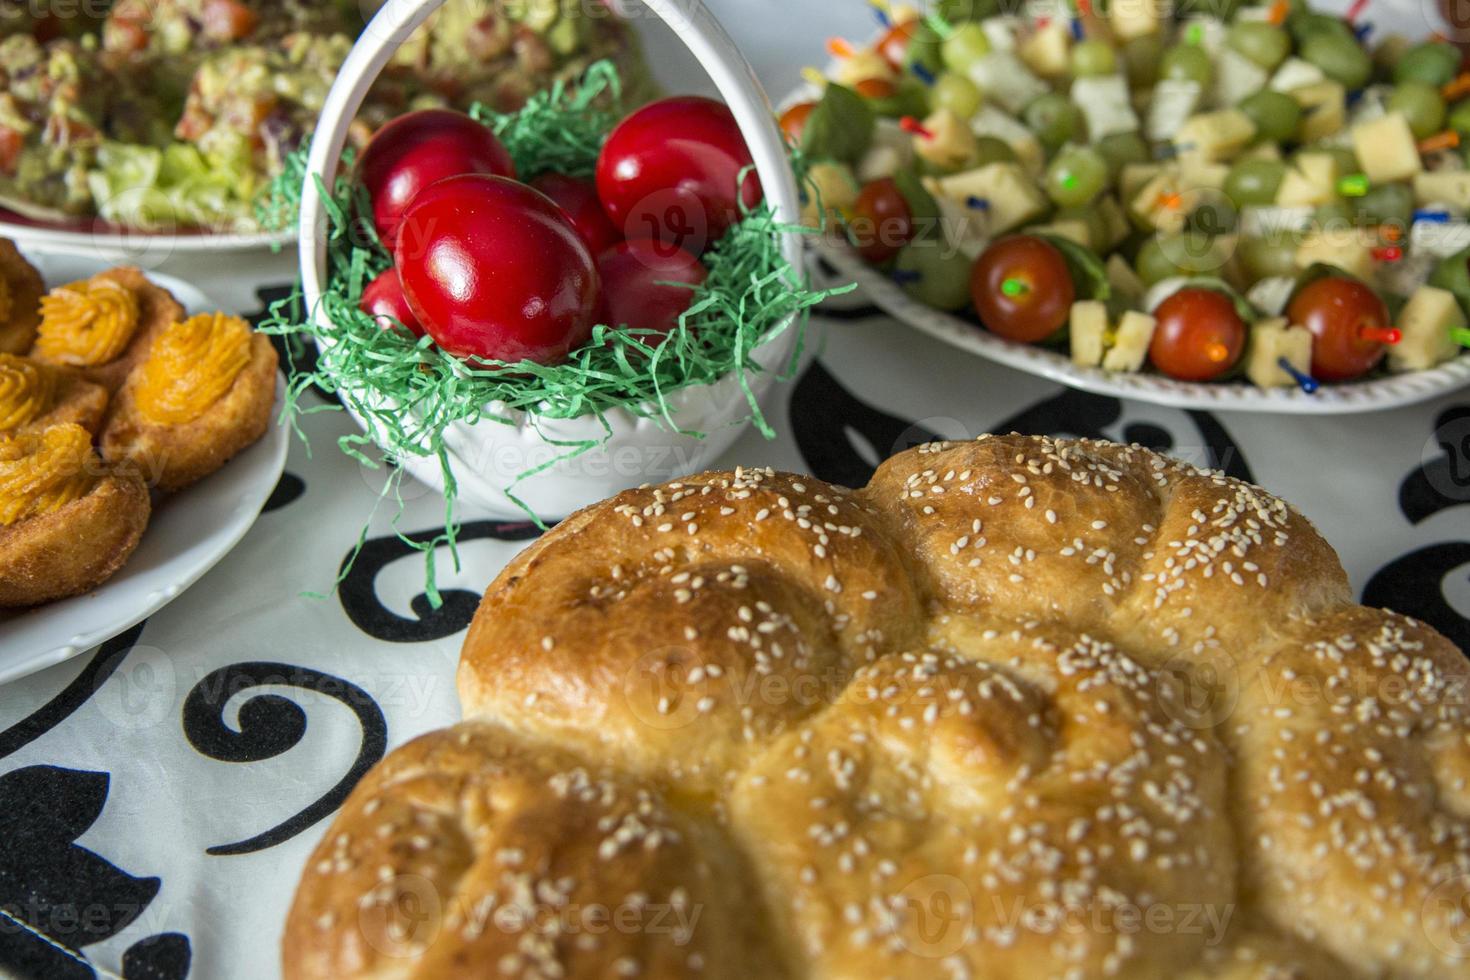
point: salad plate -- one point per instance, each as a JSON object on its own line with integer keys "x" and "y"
{"x": 956, "y": 142}
{"x": 188, "y": 533}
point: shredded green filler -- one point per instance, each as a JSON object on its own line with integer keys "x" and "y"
{"x": 408, "y": 392}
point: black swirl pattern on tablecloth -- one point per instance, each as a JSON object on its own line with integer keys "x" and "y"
{"x": 57, "y": 898}
{"x": 843, "y": 438}
{"x": 270, "y": 725}
{"x": 358, "y": 592}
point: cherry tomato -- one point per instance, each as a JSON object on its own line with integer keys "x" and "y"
{"x": 1199, "y": 335}
{"x": 882, "y": 222}
{"x": 793, "y": 121}
{"x": 876, "y": 88}
{"x": 12, "y": 142}
{"x": 894, "y": 44}
{"x": 415, "y": 150}
{"x": 634, "y": 277}
{"x": 228, "y": 20}
{"x": 384, "y": 299}
{"x": 494, "y": 269}
{"x": 670, "y": 171}
{"x": 1336, "y": 311}
{"x": 578, "y": 198}
{"x": 1022, "y": 289}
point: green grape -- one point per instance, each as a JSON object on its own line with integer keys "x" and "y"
{"x": 1431, "y": 62}
{"x": 1141, "y": 58}
{"x": 1094, "y": 57}
{"x": 1121, "y": 149}
{"x": 1212, "y": 218}
{"x": 1153, "y": 264}
{"x": 926, "y": 50}
{"x": 1422, "y": 106}
{"x": 1187, "y": 62}
{"x": 1342, "y": 59}
{"x": 992, "y": 149}
{"x": 1307, "y": 24}
{"x": 1275, "y": 114}
{"x": 1386, "y": 204}
{"x": 1265, "y": 44}
{"x": 1076, "y": 176}
{"x": 967, "y": 45}
{"x": 1097, "y": 225}
{"x": 1337, "y": 215}
{"x": 965, "y": 11}
{"x": 935, "y": 273}
{"x": 956, "y": 93}
{"x": 1343, "y": 156}
{"x": 1254, "y": 182}
{"x": 1054, "y": 119}
{"x": 1459, "y": 118}
{"x": 1271, "y": 256}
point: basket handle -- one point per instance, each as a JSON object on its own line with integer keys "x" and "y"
{"x": 397, "y": 19}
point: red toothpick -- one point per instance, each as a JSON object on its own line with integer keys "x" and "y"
{"x": 1355, "y": 10}
{"x": 911, "y": 125}
{"x": 1447, "y": 140}
{"x": 1389, "y": 253}
{"x": 1277, "y": 15}
{"x": 1381, "y": 335}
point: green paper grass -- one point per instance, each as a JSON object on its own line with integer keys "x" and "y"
{"x": 408, "y": 392}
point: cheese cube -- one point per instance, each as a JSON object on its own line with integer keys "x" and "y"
{"x": 1205, "y": 176}
{"x": 1006, "y": 80}
{"x": 947, "y": 142}
{"x": 1311, "y": 182}
{"x": 1236, "y": 77}
{"x": 1105, "y": 102}
{"x": 1135, "y": 18}
{"x": 1387, "y": 149}
{"x": 1262, "y": 151}
{"x": 1048, "y": 51}
{"x": 836, "y": 187}
{"x": 1134, "y": 176}
{"x": 1271, "y": 294}
{"x": 1294, "y": 73}
{"x": 1123, "y": 280}
{"x": 1087, "y": 332}
{"x": 892, "y": 150}
{"x": 1013, "y": 197}
{"x": 1073, "y": 229}
{"x": 1270, "y": 341}
{"x": 1166, "y": 202}
{"x": 1173, "y": 101}
{"x": 1439, "y": 238}
{"x": 1426, "y": 321}
{"x": 1324, "y": 109}
{"x": 1212, "y": 137}
{"x": 1450, "y": 187}
{"x": 993, "y": 121}
{"x": 1348, "y": 249}
{"x": 1003, "y": 31}
{"x": 1130, "y": 342}
{"x": 863, "y": 66}
{"x": 966, "y": 228}
{"x": 1267, "y": 222}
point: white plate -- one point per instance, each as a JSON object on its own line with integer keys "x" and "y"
{"x": 1393, "y": 391}
{"x": 137, "y": 247}
{"x": 187, "y": 535}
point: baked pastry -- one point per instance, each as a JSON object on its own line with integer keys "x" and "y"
{"x": 67, "y": 522}
{"x": 203, "y": 394}
{"x": 36, "y": 396}
{"x": 21, "y": 288}
{"x": 104, "y": 325}
{"x": 1020, "y": 708}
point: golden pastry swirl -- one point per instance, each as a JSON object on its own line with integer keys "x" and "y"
{"x": 27, "y": 391}
{"x": 191, "y": 365}
{"x": 87, "y": 323}
{"x": 43, "y": 472}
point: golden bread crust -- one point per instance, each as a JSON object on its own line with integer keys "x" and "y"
{"x": 75, "y": 548}
{"x": 173, "y": 457}
{"x": 1022, "y": 707}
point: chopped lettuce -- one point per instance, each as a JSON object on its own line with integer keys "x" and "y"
{"x": 175, "y": 187}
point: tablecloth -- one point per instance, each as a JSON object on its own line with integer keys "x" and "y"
{"x": 159, "y": 795}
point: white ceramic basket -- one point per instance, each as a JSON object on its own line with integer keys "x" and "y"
{"x": 487, "y": 458}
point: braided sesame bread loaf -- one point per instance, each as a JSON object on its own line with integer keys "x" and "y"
{"x": 1019, "y": 708}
